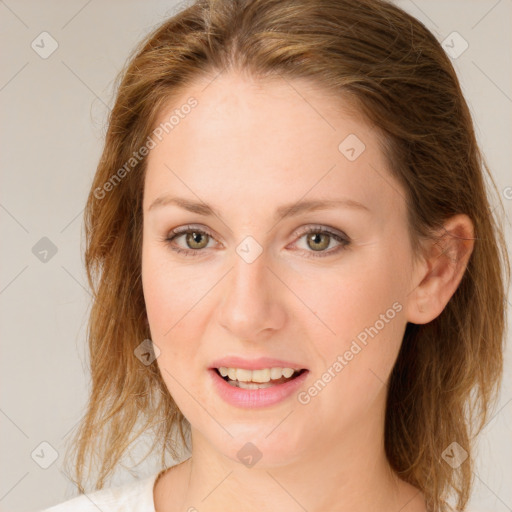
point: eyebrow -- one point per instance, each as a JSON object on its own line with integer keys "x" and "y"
{"x": 287, "y": 210}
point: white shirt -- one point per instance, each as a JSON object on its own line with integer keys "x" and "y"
{"x": 132, "y": 497}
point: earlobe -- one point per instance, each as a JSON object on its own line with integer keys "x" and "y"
{"x": 441, "y": 270}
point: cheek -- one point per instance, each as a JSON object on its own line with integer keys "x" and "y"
{"x": 364, "y": 308}
{"x": 171, "y": 292}
{"x": 174, "y": 325}
{"x": 353, "y": 297}
{"x": 167, "y": 301}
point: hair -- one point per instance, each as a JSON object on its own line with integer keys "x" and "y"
{"x": 393, "y": 71}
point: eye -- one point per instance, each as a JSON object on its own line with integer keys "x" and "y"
{"x": 195, "y": 240}
{"x": 319, "y": 238}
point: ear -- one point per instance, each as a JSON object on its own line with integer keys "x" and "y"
{"x": 437, "y": 276}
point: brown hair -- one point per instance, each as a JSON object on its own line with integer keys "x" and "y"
{"x": 394, "y": 71}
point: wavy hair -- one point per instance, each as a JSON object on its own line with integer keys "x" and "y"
{"x": 394, "y": 72}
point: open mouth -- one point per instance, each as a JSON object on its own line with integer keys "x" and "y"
{"x": 259, "y": 385}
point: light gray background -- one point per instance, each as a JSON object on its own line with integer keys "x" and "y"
{"x": 54, "y": 113}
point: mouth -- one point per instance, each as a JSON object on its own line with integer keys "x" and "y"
{"x": 257, "y": 379}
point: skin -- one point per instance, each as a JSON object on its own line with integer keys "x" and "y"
{"x": 247, "y": 148}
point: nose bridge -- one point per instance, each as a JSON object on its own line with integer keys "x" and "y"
{"x": 250, "y": 300}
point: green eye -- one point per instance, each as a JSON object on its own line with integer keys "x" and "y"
{"x": 318, "y": 239}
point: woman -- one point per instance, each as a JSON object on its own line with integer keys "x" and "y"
{"x": 297, "y": 274}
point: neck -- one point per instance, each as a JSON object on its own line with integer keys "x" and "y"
{"x": 349, "y": 472}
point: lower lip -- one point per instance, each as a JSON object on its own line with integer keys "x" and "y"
{"x": 253, "y": 398}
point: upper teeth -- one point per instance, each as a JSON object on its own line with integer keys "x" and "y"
{"x": 264, "y": 375}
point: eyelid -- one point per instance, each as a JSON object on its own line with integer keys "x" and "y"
{"x": 342, "y": 239}
{"x": 314, "y": 228}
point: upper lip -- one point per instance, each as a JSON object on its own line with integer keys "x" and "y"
{"x": 254, "y": 364}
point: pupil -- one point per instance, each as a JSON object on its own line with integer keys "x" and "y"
{"x": 316, "y": 239}
{"x": 194, "y": 239}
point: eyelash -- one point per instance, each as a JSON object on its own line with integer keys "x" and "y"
{"x": 342, "y": 239}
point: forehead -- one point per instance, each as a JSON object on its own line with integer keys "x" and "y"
{"x": 265, "y": 139}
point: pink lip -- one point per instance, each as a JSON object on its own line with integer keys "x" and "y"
{"x": 254, "y": 364}
{"x": 254, "y": 398}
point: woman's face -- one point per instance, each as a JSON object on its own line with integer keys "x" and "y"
{"x": 252, "y": 283}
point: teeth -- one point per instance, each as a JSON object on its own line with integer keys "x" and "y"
{"x": 259, "y": 376}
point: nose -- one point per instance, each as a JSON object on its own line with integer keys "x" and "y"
{"x": 251, "y": 305}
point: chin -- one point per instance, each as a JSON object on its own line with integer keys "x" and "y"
{"x": 261, "y": 445}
